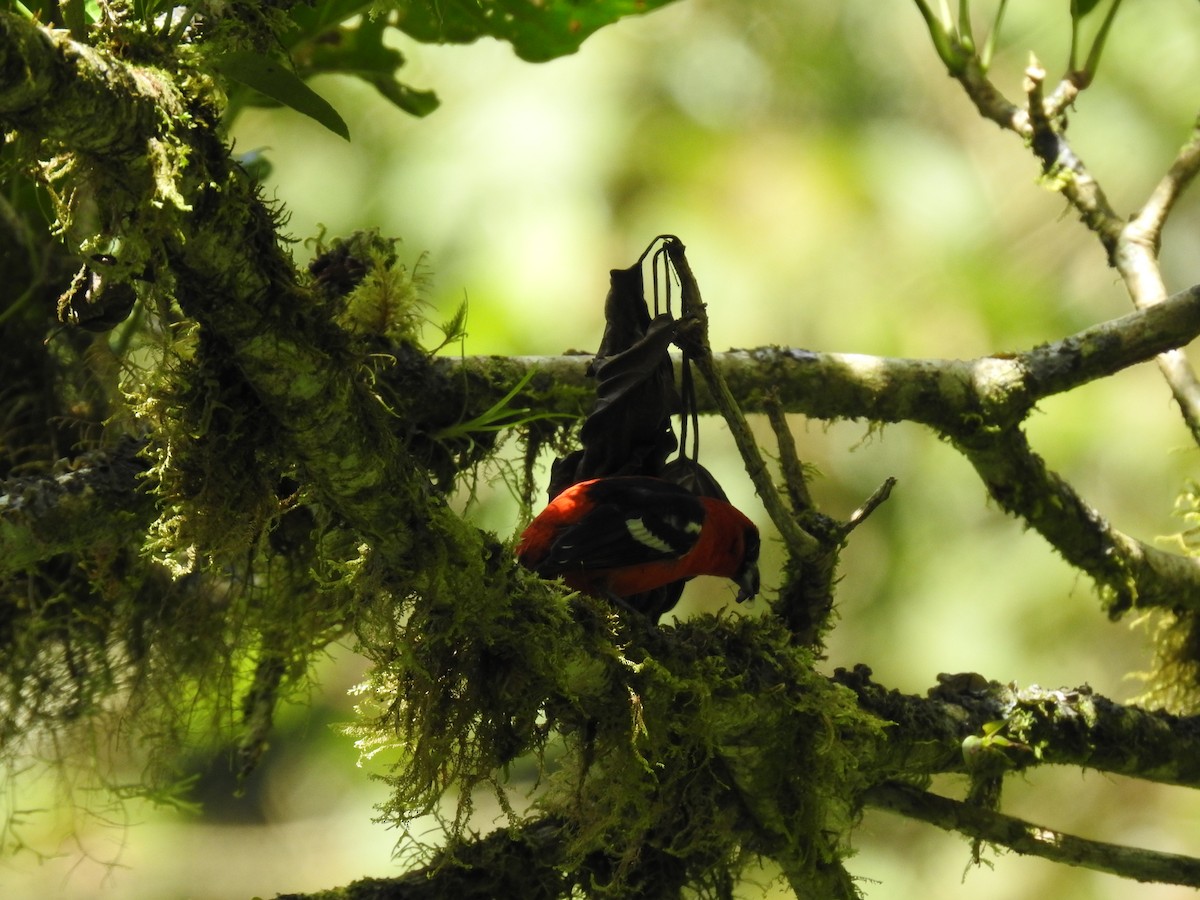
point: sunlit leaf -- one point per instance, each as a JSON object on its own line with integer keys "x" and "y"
{"x": 537, "y": 29}
{"x": 360, "y": 51}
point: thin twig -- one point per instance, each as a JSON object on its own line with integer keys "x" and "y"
{"x": 877, "y": 498}
{"x": 1060, "y": 163}
{"x": 1151, "y": 218}
{"x": 1136, "y": 259}
{"x": 1030, "y": 839}
{"x": 790, "y": 465}
{"x": 798, "y": 541}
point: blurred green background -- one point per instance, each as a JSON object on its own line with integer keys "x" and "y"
{"x": 836, "y": 191}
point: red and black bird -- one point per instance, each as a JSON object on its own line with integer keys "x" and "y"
{"x": 623, "y": 521}
{"x": 627, "y": 535}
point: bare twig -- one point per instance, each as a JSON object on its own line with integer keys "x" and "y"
{"x": 798, "y": 541}
{"x": 1132, "y": 246}
{"x": 1136, "y": 258}
{"x": 1151, "y": 218}
{"x": 1062, "y": 165}
{"x": 877, "y": 498}
{"x": 790, "y": 466}
{"x": 1029, "y": 839}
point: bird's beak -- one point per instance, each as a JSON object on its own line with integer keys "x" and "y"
{"x": 747, "y": 580}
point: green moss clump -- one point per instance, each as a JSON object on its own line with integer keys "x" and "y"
{"x": 683, "y": 754}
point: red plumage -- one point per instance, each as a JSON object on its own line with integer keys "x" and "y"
{"x": 627, "y": 535}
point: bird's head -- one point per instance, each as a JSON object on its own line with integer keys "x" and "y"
{"x": 746, "y": 577}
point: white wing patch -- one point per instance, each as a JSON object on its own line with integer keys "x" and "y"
{"x": 643, "y": 535}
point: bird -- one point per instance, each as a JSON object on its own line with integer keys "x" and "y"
{"x": 624, "y": 536}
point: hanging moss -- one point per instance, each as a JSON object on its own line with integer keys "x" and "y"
{"x": 691, "y": 751}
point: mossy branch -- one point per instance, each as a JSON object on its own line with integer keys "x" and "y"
{"x": 979, "y": 405}
{"x": 96, "y": 501}
{"x": 976, "y": 403}
{"x": 927, "y": 735}
{"x": 999, "y": 390}
{"x": 520, "y": 862}
{"x": 1070, "y": 727}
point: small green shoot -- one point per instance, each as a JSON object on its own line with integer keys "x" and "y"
{"x": 498, "y": 417}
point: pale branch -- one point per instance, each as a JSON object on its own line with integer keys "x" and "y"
{"x": 998, "y": 390}
{"x": 1132, "y": 245}
{"x": 1136, "y": 258}
{"x": 1151, "y": 218}
{"x": 1029, "y": 839}
{"x": 868, "y": 506}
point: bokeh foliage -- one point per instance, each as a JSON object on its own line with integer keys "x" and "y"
{"x": 834, "y": 195}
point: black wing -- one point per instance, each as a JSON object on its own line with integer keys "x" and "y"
{"x": 634, "y": 521}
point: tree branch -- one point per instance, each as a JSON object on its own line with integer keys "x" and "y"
{"x": 1041, "y": 727}
{"x": 517, "y": 862}
{"x": 1132, "y": 246}
{"x": 1000, "y": 389}
{"x": 1060, "y": 163}
{"x": 99, "y": 500}
{"x": 1029, "y": 839}
{"x": 1154, "y": 212}
{"x": 1130, "y": 572}
{"x": 1136, "y": 258}
{"x": 799, "y": 542}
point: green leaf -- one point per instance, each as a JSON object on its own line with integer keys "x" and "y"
{"x": 537, "y": 29}
{"x": 311, "y": 22}
{"x": 1080, "y": 8}
{"x": 272, "y": 78}
{"x": 361, "y": 52}
{"x": 411, "y": 100}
